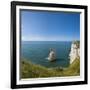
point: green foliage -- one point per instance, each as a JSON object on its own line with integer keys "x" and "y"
{"x": 77, "y": 43}
{"x": 30, "y": 70}
{"x": 73, "y": 69}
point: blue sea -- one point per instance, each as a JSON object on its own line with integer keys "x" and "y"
{"x": 38, "y": 51}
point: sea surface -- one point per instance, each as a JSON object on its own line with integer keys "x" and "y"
{"x": 38, "y": 51}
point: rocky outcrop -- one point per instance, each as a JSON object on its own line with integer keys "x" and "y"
{"x": 52, "y": 55}
{"x": 75, "y": 51}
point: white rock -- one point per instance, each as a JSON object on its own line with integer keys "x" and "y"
{"x": 74, "y": 53}
{"x": 52, "y": 56}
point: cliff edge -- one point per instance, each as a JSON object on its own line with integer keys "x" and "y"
{"x": 75, "y": 51}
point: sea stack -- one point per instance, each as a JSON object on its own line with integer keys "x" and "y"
{"x": 75, "y": 51}
{"x": 52, "y": 55}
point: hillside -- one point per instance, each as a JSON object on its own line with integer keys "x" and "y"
{"x": 30, "y": 70}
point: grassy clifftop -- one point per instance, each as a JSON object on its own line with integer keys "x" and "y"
{"x": 30, "y": 70}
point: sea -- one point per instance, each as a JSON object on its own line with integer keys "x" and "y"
{"x": 38, "y": 51}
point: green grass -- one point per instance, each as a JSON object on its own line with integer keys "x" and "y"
{"x": 73, "y": 69}
{"x": 30, "y": 70}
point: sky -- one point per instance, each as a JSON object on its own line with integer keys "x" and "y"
{"x": 49, "y": 26}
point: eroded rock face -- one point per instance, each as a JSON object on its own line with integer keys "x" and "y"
{"x": 75, "y": 51}
{"x": 52, "y": 56}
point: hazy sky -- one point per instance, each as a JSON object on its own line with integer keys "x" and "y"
{"x": 49, "y": 26}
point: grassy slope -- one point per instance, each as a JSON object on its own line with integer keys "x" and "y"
{"x": 29, "y": 70}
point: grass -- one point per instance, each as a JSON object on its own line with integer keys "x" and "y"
{"x": 30, "y": 70}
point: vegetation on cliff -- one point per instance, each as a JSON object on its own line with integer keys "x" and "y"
{"x": 77, "y": 43}
{"x": 30, "y": 70}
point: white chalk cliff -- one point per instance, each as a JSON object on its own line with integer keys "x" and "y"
{"x": 75, "y": 51}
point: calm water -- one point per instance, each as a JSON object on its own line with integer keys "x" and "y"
{"x": 37, "y": 52}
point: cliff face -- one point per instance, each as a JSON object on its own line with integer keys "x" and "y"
{"x": 75, "y": 51}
